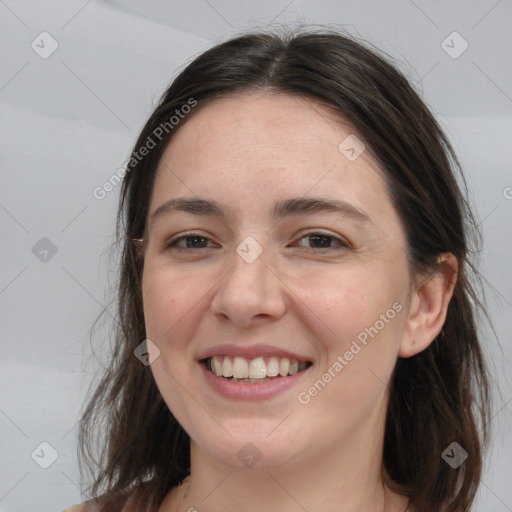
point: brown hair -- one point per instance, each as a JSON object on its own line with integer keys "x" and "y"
{"x": 439, "y": 396}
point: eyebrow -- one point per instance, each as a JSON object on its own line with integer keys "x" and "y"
{"x": 285, "y": 208}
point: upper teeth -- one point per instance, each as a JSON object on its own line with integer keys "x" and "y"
{"x": 241, "y": 368}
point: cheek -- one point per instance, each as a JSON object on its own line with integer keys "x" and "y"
{"x": 168, "y": 304}
{"x": 159, "y": 310}
{"x": 360, "y": 356}
{"x": 364, "y": 313}
{"x": 167, "y": 298}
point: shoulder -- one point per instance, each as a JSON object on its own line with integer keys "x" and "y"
{"x": 124, "y": 503}
{"x": 83, "y": 507}
{"x": 76, "y": 508}
{"x": 89, "y": 506}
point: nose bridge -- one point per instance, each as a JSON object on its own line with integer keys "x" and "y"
{"x": 249, "y": 288}
{"x": 249, "y": 266}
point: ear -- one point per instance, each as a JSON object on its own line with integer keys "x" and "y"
{"x": 428, "y": 306}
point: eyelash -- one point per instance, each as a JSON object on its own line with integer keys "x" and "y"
{"x": 171, "y": 244}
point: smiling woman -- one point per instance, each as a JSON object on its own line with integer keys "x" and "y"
{"x": 296, "y": 315}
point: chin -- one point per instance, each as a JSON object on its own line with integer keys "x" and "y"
{"x": 252, "y": 454}
{"x": 245, "y": 448}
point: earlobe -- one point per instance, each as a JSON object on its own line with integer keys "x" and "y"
{"x": 428, "y": 307}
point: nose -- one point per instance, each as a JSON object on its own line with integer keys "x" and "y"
{"x": 250, "y": 291}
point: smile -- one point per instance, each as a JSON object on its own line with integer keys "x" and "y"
{"x": 256, "y": 370}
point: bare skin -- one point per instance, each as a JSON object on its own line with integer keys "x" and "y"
{"x": 322, "y": 452}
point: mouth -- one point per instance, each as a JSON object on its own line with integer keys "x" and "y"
{"x": 256, "y": 370}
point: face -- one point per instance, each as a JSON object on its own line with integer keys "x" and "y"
{"x": 294, "y": 260}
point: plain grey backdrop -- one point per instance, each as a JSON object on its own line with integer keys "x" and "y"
{"x": 78, "y": 80}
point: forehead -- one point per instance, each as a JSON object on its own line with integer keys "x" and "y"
{"x": 260, "y": 148}
{"x": 264, "y": 122}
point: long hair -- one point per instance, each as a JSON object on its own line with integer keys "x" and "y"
{"x": 437, "y": 397}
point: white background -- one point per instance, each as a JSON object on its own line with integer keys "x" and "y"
{"x": 69, "y": 122}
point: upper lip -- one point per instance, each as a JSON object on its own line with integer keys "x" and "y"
{"x": 250, "y": 352}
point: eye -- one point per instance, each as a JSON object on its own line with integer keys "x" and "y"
{"x": 192, "y": 241}
{"x": 195, "y": 240}
{"x": 324, "y": 241}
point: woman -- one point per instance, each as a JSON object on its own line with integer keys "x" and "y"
{"x": 296, "y": 317}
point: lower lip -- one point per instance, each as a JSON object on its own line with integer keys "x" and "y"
{"x": 250, "y": 391}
